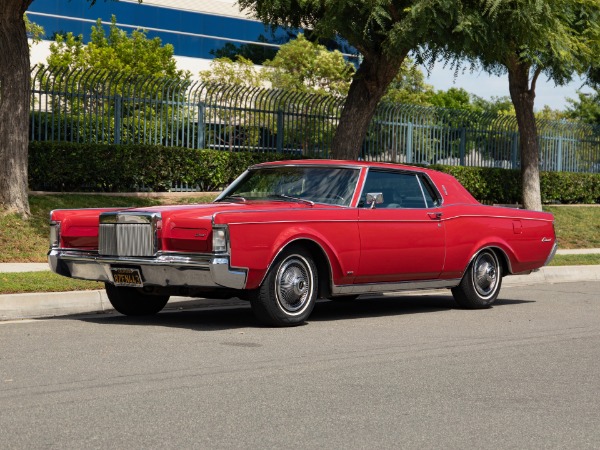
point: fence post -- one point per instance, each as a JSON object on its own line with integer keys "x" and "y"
{"x": 279, "y": 130}
{"x": 462, "y": 145}
{"x": 515, "y": 149}
{"x": 409, "y": 143}
{"x": 118, "y": 105}
{"x": 560, "y": 154}
{"x": 201, "y": 125}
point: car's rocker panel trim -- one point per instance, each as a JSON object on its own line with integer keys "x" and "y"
{"x": 388, "y": 287}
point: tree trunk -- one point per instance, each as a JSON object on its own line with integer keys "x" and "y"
{"x": 523, "y": 97}
{"x": 14, "y": 107}
{"x": 368, "y": 86}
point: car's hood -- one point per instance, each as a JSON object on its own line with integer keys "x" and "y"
{"x": 205, "y": 210}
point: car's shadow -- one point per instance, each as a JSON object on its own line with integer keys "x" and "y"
{"x": 239, "y": 315}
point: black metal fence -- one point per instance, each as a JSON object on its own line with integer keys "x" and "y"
{"x": 102, "y": 107}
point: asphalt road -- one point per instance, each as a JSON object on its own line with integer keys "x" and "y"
{"x": 393, "y": 372}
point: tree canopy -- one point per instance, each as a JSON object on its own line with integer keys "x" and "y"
{"x": 585, "y": 108}
{"x": 118, "y": 51}
{"x": 382, "y": 31}
{"x": 526, "y": 39}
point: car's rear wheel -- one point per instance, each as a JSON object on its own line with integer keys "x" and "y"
{"x": 287, "y": 295}
{"x": 133, "y": 302}
{"x": 481, "y": 282}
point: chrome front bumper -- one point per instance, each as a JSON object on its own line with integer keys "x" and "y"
{"x": 161, "y": 270}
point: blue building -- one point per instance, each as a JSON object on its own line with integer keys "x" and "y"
{"x": 197, "y": 29}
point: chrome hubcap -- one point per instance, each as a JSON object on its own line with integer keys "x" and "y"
{"x": 485, "y": 274}
{"x": 293, "y": 284}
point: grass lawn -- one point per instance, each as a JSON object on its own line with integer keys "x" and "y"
{"x": 575, "y": 260}
{"x": 25, "y": 282}
{"x": 576, "y": 226}
{"x": 27, "y": 240}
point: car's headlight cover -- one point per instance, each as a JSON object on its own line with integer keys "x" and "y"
{"x": 219, "y": 241}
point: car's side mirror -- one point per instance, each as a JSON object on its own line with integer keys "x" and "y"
{"x": 374, "y": 198}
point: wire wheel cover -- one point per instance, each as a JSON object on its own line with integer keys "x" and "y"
{"x": 293, "y": 284}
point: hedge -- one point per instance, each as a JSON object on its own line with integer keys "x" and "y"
{"x": 491, "y": 185}
{"x": 60, "y": 167}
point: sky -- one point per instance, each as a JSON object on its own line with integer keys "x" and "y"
{"x": 487, "y": 86}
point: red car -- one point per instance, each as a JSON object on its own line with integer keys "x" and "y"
{"x": 286, "y": 233}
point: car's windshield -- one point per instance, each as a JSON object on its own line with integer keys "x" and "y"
{"x": 334, "y": 186}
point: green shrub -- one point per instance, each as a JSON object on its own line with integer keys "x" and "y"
{"x": 492, "y": 185}
{"x": 61, "y": 166}
{"x": 71, "y": 167}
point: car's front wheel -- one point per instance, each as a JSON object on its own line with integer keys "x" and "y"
{"x": 481, "y": 282}
{"x": 133, "y": 302}
{"x": 287, "y": 295}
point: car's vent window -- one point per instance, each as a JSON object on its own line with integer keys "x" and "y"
{"x": 400, "y": 190}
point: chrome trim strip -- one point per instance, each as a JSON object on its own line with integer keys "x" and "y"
{"x": 286, "y": 246}
{"x": 398, "y": 286}
{"x": 141, "y": 217}
{"x": 552, "y": 254}
{"x": 506, "y": 258}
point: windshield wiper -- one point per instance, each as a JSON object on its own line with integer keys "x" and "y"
{"x": 294, "y": 199}
{"x": 233, "y": 197}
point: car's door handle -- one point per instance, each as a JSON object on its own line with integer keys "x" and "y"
{"x": 435, "y": 215}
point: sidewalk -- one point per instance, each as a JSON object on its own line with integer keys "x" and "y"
{"x": 52, "y": 304}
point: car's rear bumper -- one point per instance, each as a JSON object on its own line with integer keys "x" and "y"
{"x": 162, "y": 270}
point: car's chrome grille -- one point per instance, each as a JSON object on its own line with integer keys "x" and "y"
{"x": 126, "y": 239}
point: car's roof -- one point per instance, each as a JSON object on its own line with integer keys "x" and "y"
{"x": 340, "y": 163}
{"x": 453, "y": 191}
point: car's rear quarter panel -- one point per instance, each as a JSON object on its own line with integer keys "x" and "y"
{"x": 518, "y": 233}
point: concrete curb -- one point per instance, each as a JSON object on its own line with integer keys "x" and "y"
{"x": 53, "y": 304}
{"x": 555, "y": 274}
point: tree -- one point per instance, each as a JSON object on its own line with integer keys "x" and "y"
{"x": 586, "y": 108}
{"x": 409, "y": 86}
{"x": 382, "y": 31}
{"x": 14, "y": 106}
{"x": 304, "y": 66}
{"x": 118, "y": 52}
{"x": 240, "y": 72}
{"x": 525, "y": 39}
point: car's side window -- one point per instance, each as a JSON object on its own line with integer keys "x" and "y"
{"x": 400, "y": 190}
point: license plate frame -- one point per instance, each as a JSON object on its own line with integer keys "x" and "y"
{"x": 127, "y": 276}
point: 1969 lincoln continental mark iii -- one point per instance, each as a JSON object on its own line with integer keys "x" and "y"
{"x": 286, "y": 233}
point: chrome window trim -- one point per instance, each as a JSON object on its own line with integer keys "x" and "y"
{"x": 428, "y": 180}
{"x": 238, "y": 180}
{"x": 402, "y": 171}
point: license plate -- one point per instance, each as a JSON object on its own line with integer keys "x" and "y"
{"x": 126, "y": 277}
